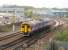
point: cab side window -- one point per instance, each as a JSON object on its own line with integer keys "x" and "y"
{"x": 28, "y": 26}
{"x": 22, "y": 26}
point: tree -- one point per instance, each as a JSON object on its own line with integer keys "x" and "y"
{"x": 28, "y": 12}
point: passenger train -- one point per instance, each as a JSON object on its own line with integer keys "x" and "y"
{"x": 34, "y": 25}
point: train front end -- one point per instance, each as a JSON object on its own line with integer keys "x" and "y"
{"x": 25, "y": 29}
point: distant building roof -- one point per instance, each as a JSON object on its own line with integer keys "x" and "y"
{"x": 15, "y": 6}
{"x": 6, "y": 14}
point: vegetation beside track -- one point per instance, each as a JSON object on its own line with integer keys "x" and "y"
{"x": 6, "y": 28}
{"x": 62, "y": 34}
{"x": 9, "y": 27}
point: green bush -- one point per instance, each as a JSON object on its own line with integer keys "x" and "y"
{"x": 6, "y": 28}
{"x": 62, "y": 35}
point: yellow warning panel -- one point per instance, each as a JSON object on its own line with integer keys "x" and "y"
{"x": 25, "y": 28}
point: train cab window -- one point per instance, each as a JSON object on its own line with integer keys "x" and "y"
{"x": 22, "y": 26}
{"x": 28, "y": 26}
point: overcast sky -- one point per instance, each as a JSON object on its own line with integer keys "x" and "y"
{"x": 37, "y": 3}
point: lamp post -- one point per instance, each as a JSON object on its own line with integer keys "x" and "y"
{"x": 14, "y": 18}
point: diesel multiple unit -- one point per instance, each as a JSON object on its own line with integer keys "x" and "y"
{"x": 34, "y": 25}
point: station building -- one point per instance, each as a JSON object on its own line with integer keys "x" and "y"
{"x": 59, "y": 12}
{"x": 13, "y": 9}
{"x": 50, "y": 12}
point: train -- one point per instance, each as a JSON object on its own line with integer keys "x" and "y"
{"x": 28, "y": 27}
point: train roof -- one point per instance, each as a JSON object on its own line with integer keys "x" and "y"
{"x": 32, "y": 22}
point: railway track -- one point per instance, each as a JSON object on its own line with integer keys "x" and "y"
{"x": 7, "y": 35}
{"x": 24, "y": 42}
{"x": 9, "y": 38}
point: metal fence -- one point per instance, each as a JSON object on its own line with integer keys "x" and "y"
{"x": 58, "y": 45}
